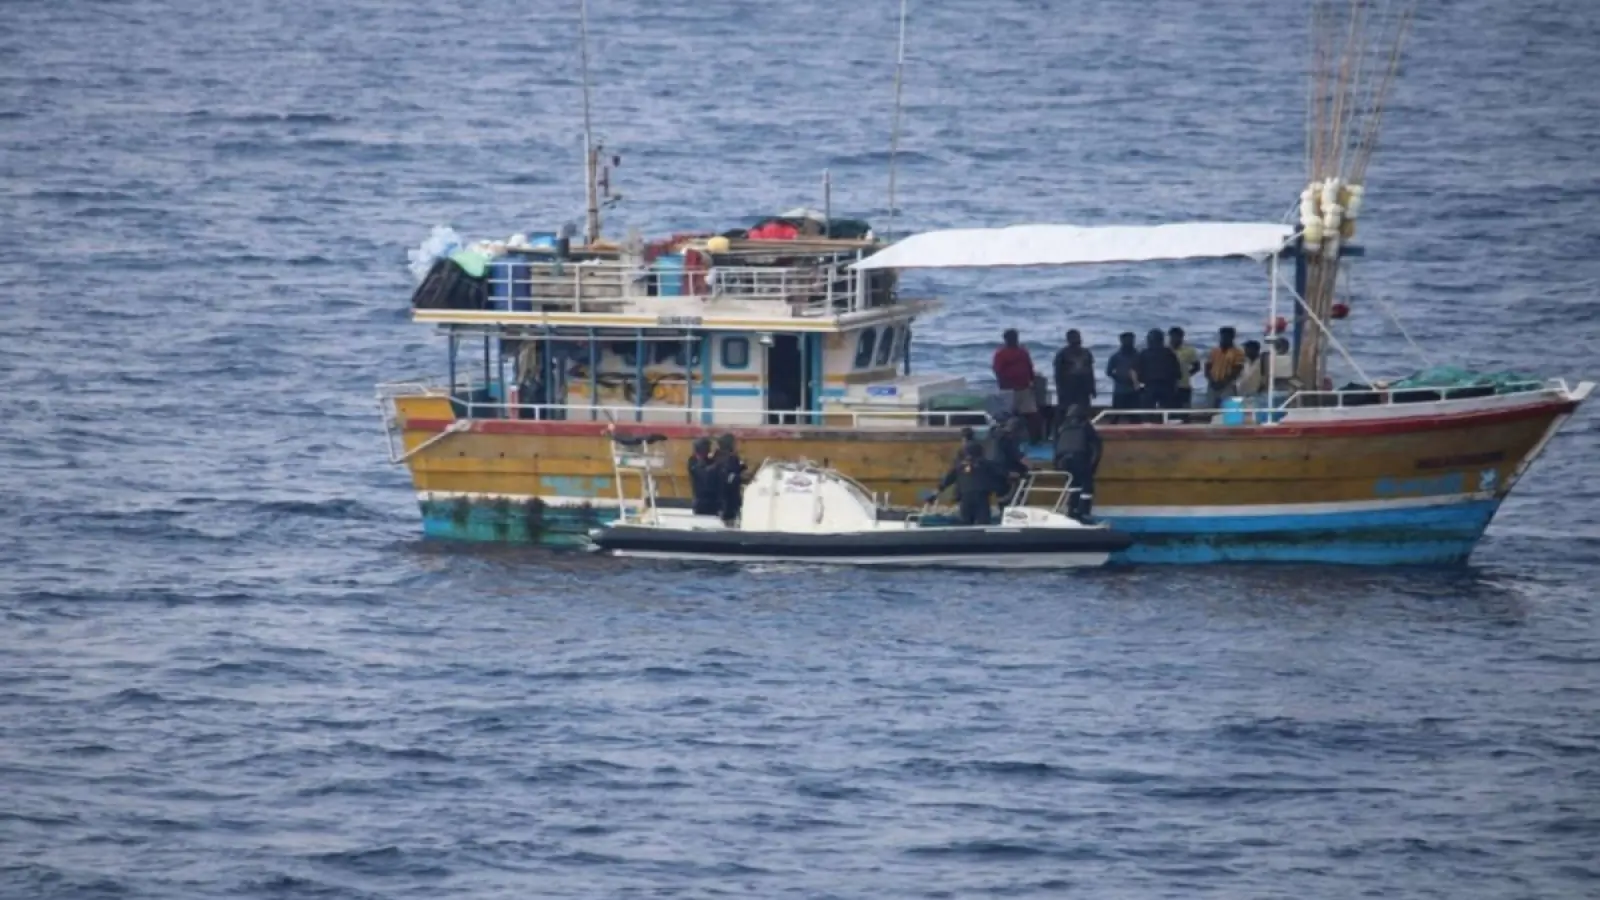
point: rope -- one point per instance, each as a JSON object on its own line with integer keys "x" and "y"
{"x": 1393, "y": 317}
{"x": 455, "y": 427}
{"x": 1326, "y": 331}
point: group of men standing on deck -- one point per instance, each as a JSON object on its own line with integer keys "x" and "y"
{"x": 716, "y": 478}
{"x": 1158, "y": 376}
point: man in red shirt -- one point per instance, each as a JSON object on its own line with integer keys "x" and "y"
{"x": 1013, "y": 369}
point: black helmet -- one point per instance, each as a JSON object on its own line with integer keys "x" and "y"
{"x": 702, "y": 445}
{"x": 725, "y": 441}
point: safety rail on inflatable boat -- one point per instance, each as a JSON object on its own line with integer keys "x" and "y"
{"x": 1028, "y": 487}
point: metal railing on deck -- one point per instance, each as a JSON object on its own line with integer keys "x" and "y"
{"x": 1405, "y": 395}
{"x": 1260, "y": 413}
{"x": 468, "y": 401}
{"x": 593, "y": 286}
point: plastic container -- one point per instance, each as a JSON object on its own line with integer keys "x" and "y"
{"x": 669, "y": 275}
{"x": 1233, "y": 411}
{"x": 510, "y": 286}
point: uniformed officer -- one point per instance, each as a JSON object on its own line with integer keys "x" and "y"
{"x": 703, "y": 480}
{"x": 1003, "y": 449}
{"x": 729, "y": 469}
{"x": 1078, "y": 454}
{"x": 974, "y": 480}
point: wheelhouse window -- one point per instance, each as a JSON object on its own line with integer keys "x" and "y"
{"x": 865, "y": 346}
{"x": 736, "y": 353}
{"x": 886, "y": 346}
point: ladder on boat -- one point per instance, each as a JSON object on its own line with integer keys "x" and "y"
{"x": 642, "y": 458}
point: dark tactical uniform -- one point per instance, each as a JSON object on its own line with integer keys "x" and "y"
{"x": 974, "y": 480}
{"x": 729, "y": 469}
{"x": 1005, "y": 456}
{"x": 703, "y": 480}
{"x": 1078, "y": 454}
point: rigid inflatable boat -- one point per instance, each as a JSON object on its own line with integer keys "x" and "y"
{"x": 799, "y": 512}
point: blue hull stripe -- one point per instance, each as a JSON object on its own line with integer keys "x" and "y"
{"x": 1471, "y": 516}
{"x": 1428, "y": 535}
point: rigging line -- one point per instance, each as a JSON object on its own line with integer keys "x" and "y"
{"x": 894, "y": 132}
{"x": 1395, "y": 318}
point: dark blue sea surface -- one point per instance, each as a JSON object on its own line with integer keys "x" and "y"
{"x": 231, "y": 667}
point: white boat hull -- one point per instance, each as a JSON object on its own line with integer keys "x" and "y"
{"x": 946, "y": 561}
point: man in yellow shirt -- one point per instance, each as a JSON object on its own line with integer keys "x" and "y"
{"x": 1189, "y": 362}
{"x": 1223, "y": 365}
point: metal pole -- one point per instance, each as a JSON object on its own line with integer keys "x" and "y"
{"x": 590, "y": 152}
{"x": 500, "y": 362}
{"x": 1272, "y": 331}
{"x": 547, "y": 377}
{"x": 827, "y": 203}
{"x": 452, "y": 375}
{"x": 488, "y": 373}
{"x": 638, "y": 375}
{"x": 804, "y": 346}
{"x": 894, "y": 134}
{"x": 594, "y": 375}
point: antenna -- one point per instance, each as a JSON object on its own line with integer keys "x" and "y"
{"x": 591, "y": 150}
{"x": 894, "y": 134}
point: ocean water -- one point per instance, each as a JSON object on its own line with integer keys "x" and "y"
{"x": 230, "y": 667}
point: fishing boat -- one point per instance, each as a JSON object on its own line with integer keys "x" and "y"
{"x": 792, "y": 334}
{"x": 800, "y": 512}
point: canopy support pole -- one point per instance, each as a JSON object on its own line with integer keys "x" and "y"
{"x": 500, "y": 364}
{"x": 1272, "y": 333}
{"x": 594, "y": 374}
{"x": 638, "y": 375}
{"x": 688, "y": 377}
{"x": 452, "y": 365}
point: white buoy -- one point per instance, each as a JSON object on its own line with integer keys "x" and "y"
{"x": 1353, "y": 208}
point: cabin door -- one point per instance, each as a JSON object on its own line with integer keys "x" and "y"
{"x": 786, "y": 383}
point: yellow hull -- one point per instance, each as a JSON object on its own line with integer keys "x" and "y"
{"x": 1409, "y": 488}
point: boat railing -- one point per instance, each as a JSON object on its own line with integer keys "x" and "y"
{"x": 596, "y": 286}
{"x": 1026, "y": 490}
{"x": 475, "y": 406}
{"x": 1387, "y": 396}
{"x": 641, "y": 458}
{"x": 1193, "y": 416}
{"x": 1256, "y": 412}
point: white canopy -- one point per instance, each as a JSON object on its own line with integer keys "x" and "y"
{"x": 1066, "y": 245}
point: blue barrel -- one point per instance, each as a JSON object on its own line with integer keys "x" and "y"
{"x": 669, "y": 275}
{"x": 1233, "y": 411}
{"x": 510, "y": 286}
{"x": 499, "y": 278}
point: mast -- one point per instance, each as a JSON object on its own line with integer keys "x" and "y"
{"x": 591, "y": 150}
{"x": 1345, "y": 109}
{"x": 894, "y": 133}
